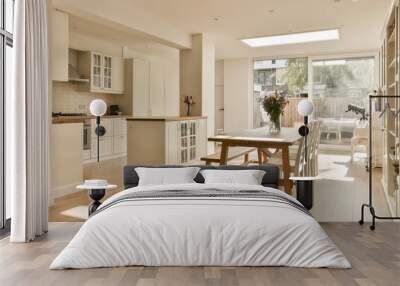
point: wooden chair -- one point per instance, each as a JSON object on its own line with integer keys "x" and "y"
{"x": 360, "y": 137}
{"x": 300, "y": 166}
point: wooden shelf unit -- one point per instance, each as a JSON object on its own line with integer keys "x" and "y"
{"x": 389, "y": 68}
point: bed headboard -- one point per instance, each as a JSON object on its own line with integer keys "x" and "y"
{"x": 270, "y": 179}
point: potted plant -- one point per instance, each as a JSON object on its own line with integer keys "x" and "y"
{"x": 274, "y": 105}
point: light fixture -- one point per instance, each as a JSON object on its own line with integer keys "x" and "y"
{"x": 98, "y": 108}
{"x": 305, "y": 107}
{"x": 295, "y": 38}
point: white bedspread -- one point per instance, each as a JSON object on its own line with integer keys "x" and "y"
{"x": 212, "y": 231}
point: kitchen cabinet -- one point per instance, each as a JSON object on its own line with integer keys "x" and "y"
{"x": 193, "y": 140}
{"x": 106, "y": 73}
{"x": 59, "y": 45}
{"x": 139, "y": 87}
{"x": 117, "y": 78}
{"x": 156, "y": 89}
{"x": 145, "y": 88}
{"x": 166, "y": 140}
{"x": 119, "y": 144}
{"x": 112, "y": 143}
{"x": 106, "y": 147}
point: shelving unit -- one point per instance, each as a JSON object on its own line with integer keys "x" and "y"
{"x": 389, "y": 85}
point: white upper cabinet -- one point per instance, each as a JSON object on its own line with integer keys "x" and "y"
{"x": 117, "y": 79}
{"x": 140, "y": 88}
{"x": 145, "y": 84}
{"x": 106, "y": 73}
{"x": 59, "y": 46}
{"x": 157, "y": 89}
{"x": 96, "y": 72}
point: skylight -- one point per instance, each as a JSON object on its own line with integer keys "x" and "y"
{"x": 307, "y": 37}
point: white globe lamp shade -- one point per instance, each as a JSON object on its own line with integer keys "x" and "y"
{"x": 305, "y": 107}
{"x": 98, "y": 107}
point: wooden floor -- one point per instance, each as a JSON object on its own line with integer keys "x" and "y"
{"x": 375, "y": 257}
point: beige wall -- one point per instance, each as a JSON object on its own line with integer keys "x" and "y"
{"x": 219, "y": 95}
{"x": 208, "y": 86}
{"x": 69, "y": 97}
{"x": 191, "y": 75}
{"x": 237, "y": 94}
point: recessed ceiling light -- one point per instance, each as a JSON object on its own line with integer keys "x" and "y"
{"x": 286, "y": 39}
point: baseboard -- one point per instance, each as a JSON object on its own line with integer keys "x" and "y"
{"x": 62, "y": 191}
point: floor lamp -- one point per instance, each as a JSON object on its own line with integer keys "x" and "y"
{"x": 304, "y": 184}
{"x": 98, "y": 108}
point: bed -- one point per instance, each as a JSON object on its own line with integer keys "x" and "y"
{"x": 198, "y": 224}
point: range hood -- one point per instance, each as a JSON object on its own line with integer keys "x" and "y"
{"x": 74, "y": 76}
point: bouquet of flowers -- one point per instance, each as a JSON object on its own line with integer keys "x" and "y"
{"x": 274, "y": 105}
{"x": 188, "y": 100}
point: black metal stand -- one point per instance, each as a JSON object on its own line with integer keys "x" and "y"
{"x": 370, "y": 204}
{"x": 304, "y": 193}
{"x": 96, "y": 195}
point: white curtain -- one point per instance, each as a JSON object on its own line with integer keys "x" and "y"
{"x": 28, "y": 123}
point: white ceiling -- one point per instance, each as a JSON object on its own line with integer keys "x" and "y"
{"x": 360, "y": 22}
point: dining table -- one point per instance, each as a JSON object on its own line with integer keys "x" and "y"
{"x": 261, "y": 138}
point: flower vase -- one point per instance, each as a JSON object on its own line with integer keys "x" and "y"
{"x": 275, "y": 125}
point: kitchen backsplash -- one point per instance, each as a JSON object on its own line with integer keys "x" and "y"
{"x": 67, "y": 97}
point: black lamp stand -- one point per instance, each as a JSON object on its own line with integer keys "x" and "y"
{"x": 304, "y": 186}
{"x": 100, "y": 131}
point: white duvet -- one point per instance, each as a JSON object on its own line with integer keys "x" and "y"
{"x": 202, "y": 232}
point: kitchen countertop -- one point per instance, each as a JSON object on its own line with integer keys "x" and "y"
{"x": 164, "y": 118}
{"x": 81, "y": 119}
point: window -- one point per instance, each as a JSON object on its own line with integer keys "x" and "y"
{"x": 6, "y": 66}
{"x": 289, "y": 76}
{"x": 336, "y": 84}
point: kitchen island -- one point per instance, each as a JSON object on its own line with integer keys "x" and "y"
{"x": 166, "y": 140}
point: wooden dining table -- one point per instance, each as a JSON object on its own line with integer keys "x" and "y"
{"x": 261, "y": 138}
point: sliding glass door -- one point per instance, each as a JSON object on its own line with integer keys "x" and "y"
{"x": 336, "y": 84}
{"x": 287, "y": 76}
{"x": 6, "y": 64}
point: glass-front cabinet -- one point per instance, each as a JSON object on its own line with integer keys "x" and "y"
{"x": 101, "y": 72}
{"x": 107, "y": 70}
{"x": 188, "y": 133}
{"x": 96, "y": 71}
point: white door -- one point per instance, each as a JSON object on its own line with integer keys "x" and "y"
{"x": 117, "y": 75}
{"x": 140, "y": 98}
{"x": 157, "y": 89}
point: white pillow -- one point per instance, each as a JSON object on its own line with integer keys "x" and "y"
{"x": 166, "y": 176}
{"x": 247, "y": 177}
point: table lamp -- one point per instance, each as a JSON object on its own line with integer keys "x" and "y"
{"x": 304, "y": 184}
{"x": 98, "y": 108}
